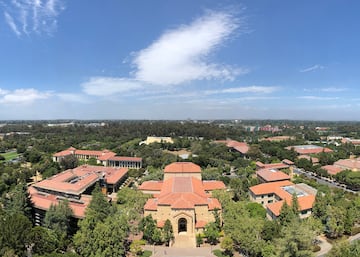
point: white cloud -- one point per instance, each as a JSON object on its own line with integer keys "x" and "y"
{"x": 249, "y": 89}
{"x": 333, "y": 89}
{"x": 320, "y": 98}
{"x": 29, "y": 16}
{"x": 23, "y": 96}
{"x": 106, "y": 86}
{"x": 181, "y": 55}
{"x": 70, "y": 97}
{"x": 313, "y": 68}
{"x": 10, "y": 21}
{"x": 3, "y": 92}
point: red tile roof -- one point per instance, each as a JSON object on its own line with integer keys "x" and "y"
{"x": 308, "y": 157}
{"x": 210, "y": 185}
{"x": 272, "y": 175}
{"x": 241, "y": 147}
{"x": 306, "y": 200}
{"x": 151, "y": 186}
{"x": 267, "y": 188}
{"x": 305, "y": 203}
{"x": 332, "y": 169}
{"x": 200, "y": 224}
{"x": 124, "y": 158}
{"x": 351, "y": 164}
{"x": 76, "y": 181}
{"x": 113, "y": 177}
{"x": 309, "y": 149}
{"x": 44, "y": 201}
{"x": 182, "y": 193}
{"x": 182, "y": 167}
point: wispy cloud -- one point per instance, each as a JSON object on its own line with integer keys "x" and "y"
{"x": 10, "y": 21}
{"x": 106, "y": 86}
{"x": 320, "y": 98}
{"x": 23, "y": 96}
{"x": 71, "y": 97}
{"x": 32, "y": 16}
{"x": 179, "y": 56}
{"x": 326, "y": 89}
{"x": 313, "y": 68}
{"x": 333, "y": 89}
{"x": 249, "y": 89}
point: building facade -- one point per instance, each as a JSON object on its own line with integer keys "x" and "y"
{"x": 75, "y": 186}
{"x": 104, "y": 157}
{"x": 184, "y": 199}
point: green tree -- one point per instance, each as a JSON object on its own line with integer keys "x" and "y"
{"x": 69, "y": 162}
{"x": 287, "y": 215}
{"x": 228, "y": 245}
{"x": 296, "y": 240}
{"x": 271, "y": 230}
{"x": 18, "y": 201}
{"x": 14, "y": 229}
{"x": 335, "y": 222}
{"x": 150, "y": 232}
{"x": 199, "y": 240}
{"x": 42, "y": 240}
{"x": 136, "y": 247}
{"x": 106, "y": 239}
{"x": 345, "y": 249}
{"x": 168, "y": 233}
{"x": 57, "y": 218}
{"x": 211, "y": 233}
{"x": 96, "y": 213}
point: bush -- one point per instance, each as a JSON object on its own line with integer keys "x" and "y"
{"x": 146, "y": 253}
{"x": 219, "y": 253}
{"x": 316, "y": 248}
{"x": 355, "y": 230}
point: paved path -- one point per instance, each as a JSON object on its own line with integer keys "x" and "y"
{"x": 324, "y": 245}
{"x": 162, "y": 251}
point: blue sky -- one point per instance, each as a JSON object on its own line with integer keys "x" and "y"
{"x": 204, "y": 59}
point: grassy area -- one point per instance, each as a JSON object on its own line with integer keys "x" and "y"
{"x": 10, "y": 155}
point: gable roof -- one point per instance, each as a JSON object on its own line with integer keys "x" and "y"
{"x": 182, "y": 167}
{"x": 271, "y": 175}
{"x": 182, "y": 193}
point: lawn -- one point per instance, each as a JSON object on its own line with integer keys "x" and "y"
{"x": 9, "y": 155}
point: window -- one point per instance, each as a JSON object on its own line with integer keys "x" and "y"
{"x": 270, "y": 201}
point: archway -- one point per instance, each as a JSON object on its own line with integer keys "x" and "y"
{"x": 182, "y": 225}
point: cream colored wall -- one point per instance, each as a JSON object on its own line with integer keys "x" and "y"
{"x": 263, "y": 199}
{"x": 150, "y": 192}
{"x": 182, "y": 174}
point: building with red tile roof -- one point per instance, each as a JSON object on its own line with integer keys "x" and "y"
{"x": 332, "y": 169}
{"x": 355, "y": 142}
{"x": 273, "y": 195}
{"x": 75, "y": 185}
{"x": 240, "y": 147}
{"x": 285, "y": 164}
{"x": 104, "y": 157}
{"x": 313, "y": 160}
{"x": 271, "y": 175}
{"x": 352, "y": 164}
{"x": 183, "y": 198}
{"x": 181, "y": 169}
{"x": 309, "y": 149}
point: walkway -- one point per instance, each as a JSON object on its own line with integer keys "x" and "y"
{"x": 162, "y": 251}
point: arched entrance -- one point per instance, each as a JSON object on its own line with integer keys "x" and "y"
{"x": 182, "y": 225}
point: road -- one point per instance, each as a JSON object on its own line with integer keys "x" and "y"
{"x": 322, "y": 180}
